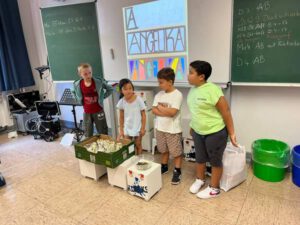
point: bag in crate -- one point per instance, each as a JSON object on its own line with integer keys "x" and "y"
{"x": 234, "y": 167}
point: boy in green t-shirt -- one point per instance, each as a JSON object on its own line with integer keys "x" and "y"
{"x": 210, "y": 124}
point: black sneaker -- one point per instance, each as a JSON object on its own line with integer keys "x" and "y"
{"x": 164, "y": 169}
{"x": 176, "y": 177}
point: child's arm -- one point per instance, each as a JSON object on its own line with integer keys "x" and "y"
{"x": 75, "y": 91}
{"x": 224, "y": 109}
{"x": 157, "y": 112}
{"x": 143, "y": 130}
{"x": 167, "y": 112}
{"x": 121, "y": 121}
{"x": 162, "y": 109}
{"x": 108, "y": 89}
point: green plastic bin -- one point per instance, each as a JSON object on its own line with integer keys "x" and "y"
{"x": 270, "y": 159}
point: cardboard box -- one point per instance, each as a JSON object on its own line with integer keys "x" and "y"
{"x": 110, "y": 160}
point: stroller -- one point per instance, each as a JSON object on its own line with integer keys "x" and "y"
{"x": 47, "y": 125}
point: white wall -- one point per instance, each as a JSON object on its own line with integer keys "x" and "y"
{"x": 266, "y": 112}
{"x": 259, "y": 112}
{"x": 209, "y": 28}
{"x": 112, "y": 37}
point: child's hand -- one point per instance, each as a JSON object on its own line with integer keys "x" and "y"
{"x": 163, "y": 104}
{"x": 160, "y": 107}
{"x": 142, "y": 132}
{"x": 233, "y": 140}
{"x": 121, "y": 135}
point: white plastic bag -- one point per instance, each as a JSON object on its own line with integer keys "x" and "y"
{"x": 67, "y": 139}
{"x": 234, "y": 167}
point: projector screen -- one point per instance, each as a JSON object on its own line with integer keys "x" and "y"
{"x": 156, "y": 37}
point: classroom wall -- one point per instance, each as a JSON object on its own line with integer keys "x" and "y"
{"x": 266, "y": 112}
{"x": 259, "y": 112}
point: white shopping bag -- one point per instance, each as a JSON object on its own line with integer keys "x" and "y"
{"x": 67, "y": 139}
{"x": 234, "y": 167}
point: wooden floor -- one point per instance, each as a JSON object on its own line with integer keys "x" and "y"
{"x": 44, "y": 186}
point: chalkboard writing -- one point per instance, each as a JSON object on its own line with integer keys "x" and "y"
{"x": 266, "y": 41}
{"x": 72, "y": 38}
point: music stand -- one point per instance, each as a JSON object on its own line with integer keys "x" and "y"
{"x": 69, "y": 99}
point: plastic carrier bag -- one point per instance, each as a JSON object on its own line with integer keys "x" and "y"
{"x": 234, "y": 167}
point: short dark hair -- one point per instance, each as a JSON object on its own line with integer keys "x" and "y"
{"x": 166, "y": 73}
{"x": 202, "y": 67}
{"x": 122, "y": 82}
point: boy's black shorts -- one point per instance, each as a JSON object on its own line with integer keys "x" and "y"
{"x": 210, "y": 148}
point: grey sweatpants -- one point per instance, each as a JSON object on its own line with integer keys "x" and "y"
{"x": 99, "y": 120}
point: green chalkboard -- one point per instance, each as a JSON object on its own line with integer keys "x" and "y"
{"x": 266, "y": 41}
{"x": 71, "y": 33}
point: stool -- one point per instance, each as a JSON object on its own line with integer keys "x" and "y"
{"x": 144, "y": 183}
{"x": 118, "y": 176}
{"x": 91, "y": 170}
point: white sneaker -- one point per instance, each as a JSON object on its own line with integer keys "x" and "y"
{"x": 196, "y": 186}
{"x": 209, "y": 192}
